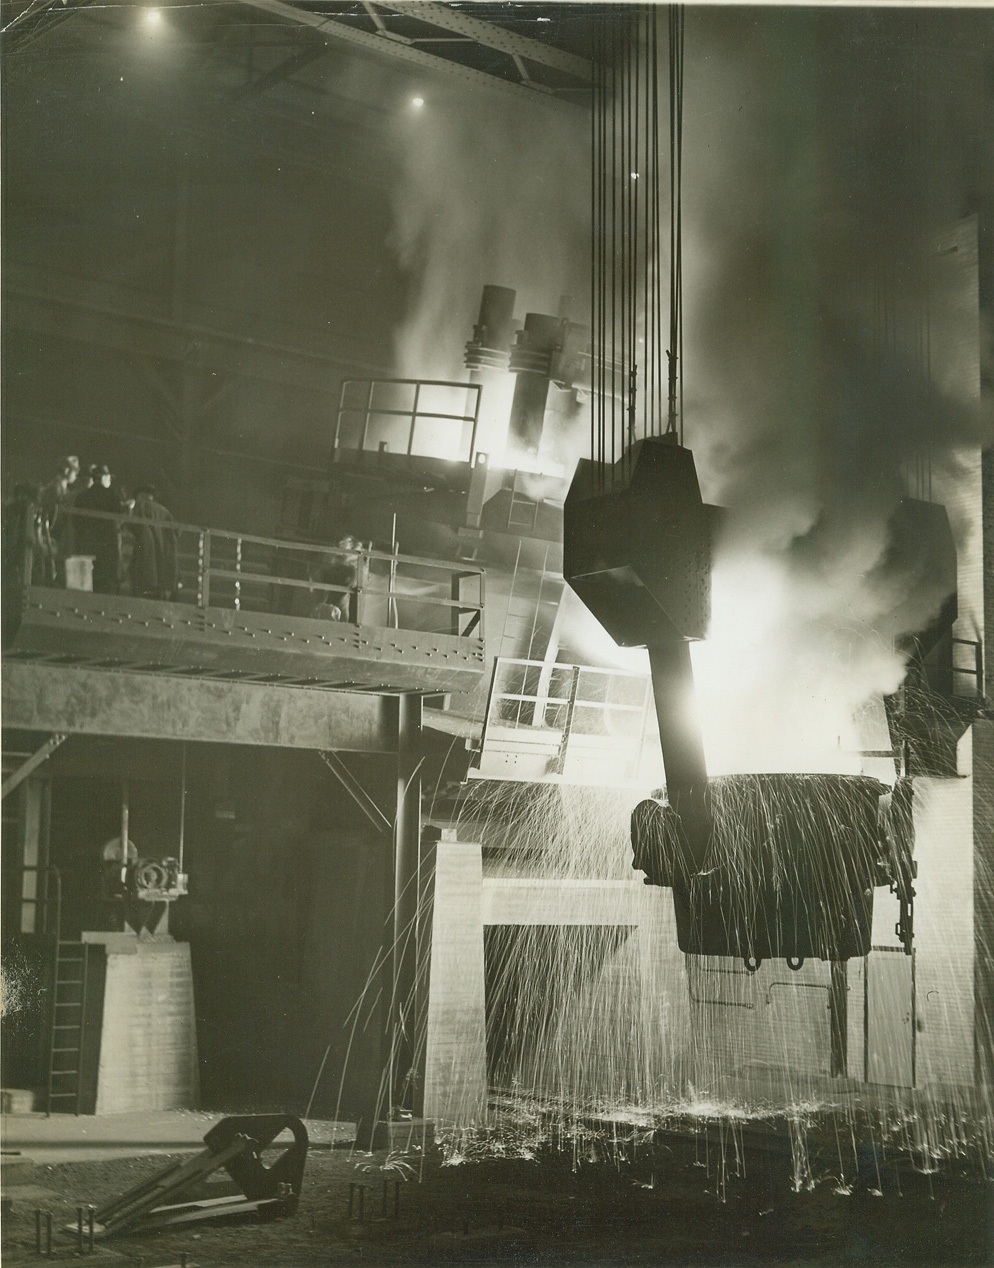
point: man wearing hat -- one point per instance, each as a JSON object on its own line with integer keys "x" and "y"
{"x": 153, "y": 553}
{"x": 100, "y": 537}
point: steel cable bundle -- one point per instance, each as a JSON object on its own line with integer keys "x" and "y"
{"x": 635, "y": 378}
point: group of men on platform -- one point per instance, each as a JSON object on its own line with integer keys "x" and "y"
{"x": 81, "y": 516}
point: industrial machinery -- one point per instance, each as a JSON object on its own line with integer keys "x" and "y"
{"x": 234, "y": 1144}
{"x": 936, "y": 702}
{"x": 760, "y": 866}
{"x": 157, "y": 880}
{"x": 637, "y": 540}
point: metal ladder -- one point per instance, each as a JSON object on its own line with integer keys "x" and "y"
{"x": 522, "y": 511}
{"x": 65, "y": 1049}
{"x": 523, "y": 609}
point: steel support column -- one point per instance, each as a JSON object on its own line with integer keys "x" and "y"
{"x": 407, "y": 892}
{"x": 983, "y": 907}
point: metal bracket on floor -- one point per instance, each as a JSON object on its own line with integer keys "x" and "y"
{"x": 236, "y": 1144}
{"x": 34, "y": 761}
{"x": 356, "y": 791}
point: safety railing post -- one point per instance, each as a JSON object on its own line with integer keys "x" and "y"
{"x": 393, "y": 614}
{"x": 647, "y": 704}
{"x": 414, "y": 418}
{"x": 205, "y": 569}
{"x": 559, "y": 764}
{"x": 361, "y": 572}
{"x": 476, "y": 424}
{"x": 365, "y": 417}
{"x": 338, "y": 420}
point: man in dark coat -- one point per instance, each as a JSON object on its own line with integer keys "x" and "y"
{"x": 56, "y": 499}
{"x": 23, "y": 545}
{"x": 100, "y": 538}
{"x": 341, "y": 569}
{"x": 153, "y": 555}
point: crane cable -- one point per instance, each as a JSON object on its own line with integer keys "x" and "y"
{"x": 628, "y": 380}
{"x": 674, "y": 418}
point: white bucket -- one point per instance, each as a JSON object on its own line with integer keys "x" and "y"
{"x": 79, "y": 572}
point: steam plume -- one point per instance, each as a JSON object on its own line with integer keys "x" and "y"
{"x": 492, "y": 191}
{"x": 825, "y": 154}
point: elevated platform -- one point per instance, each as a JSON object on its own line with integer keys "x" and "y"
{"x": 233, "y": 607}
{"x": 99, "y": 631}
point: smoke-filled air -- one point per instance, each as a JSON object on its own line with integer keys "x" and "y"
{"x": 822, "y": 169}
{"x": 827, "y": 180}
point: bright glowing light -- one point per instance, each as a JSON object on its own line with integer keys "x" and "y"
{"x": 635, "y": 176}
{"x": 777, "y": 689}
{"x": 417, "y": 102}
{"x": 153, "y": 17}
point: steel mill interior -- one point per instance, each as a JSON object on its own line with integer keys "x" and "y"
{"x": 498, "y": 592}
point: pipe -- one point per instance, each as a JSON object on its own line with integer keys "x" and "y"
{"x": 182, "y": 806}
{"x": 124, "y": 832}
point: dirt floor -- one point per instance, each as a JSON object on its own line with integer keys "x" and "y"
{"x": 671, "y": 1205}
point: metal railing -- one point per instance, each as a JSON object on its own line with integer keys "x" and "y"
{"x": 974, "y": 669}
{"x": 216, "y": 568}
{"x": 372, "y": 414}
{"x": 580, "y": 705}
{"x": 584, "y": 698}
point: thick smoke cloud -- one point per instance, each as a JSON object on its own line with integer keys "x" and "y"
{"x": 493, "y": 191}
{"x": 826, "y": 153}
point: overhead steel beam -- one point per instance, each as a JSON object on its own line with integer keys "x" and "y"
{"x": 409, "y": 884}
{"x": 34, "y": 761}
{"x": 451, "y": 18}
{"x": 385, "y": 41}
{"x": 35, "y": 19}
{"x": 71, "y": 700}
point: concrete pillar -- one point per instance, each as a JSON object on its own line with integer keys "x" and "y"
{"x": 666, "y": 1023}
{"x": 455, "y": 1082}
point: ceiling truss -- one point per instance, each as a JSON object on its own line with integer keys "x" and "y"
{"x": 444, "y": 37}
